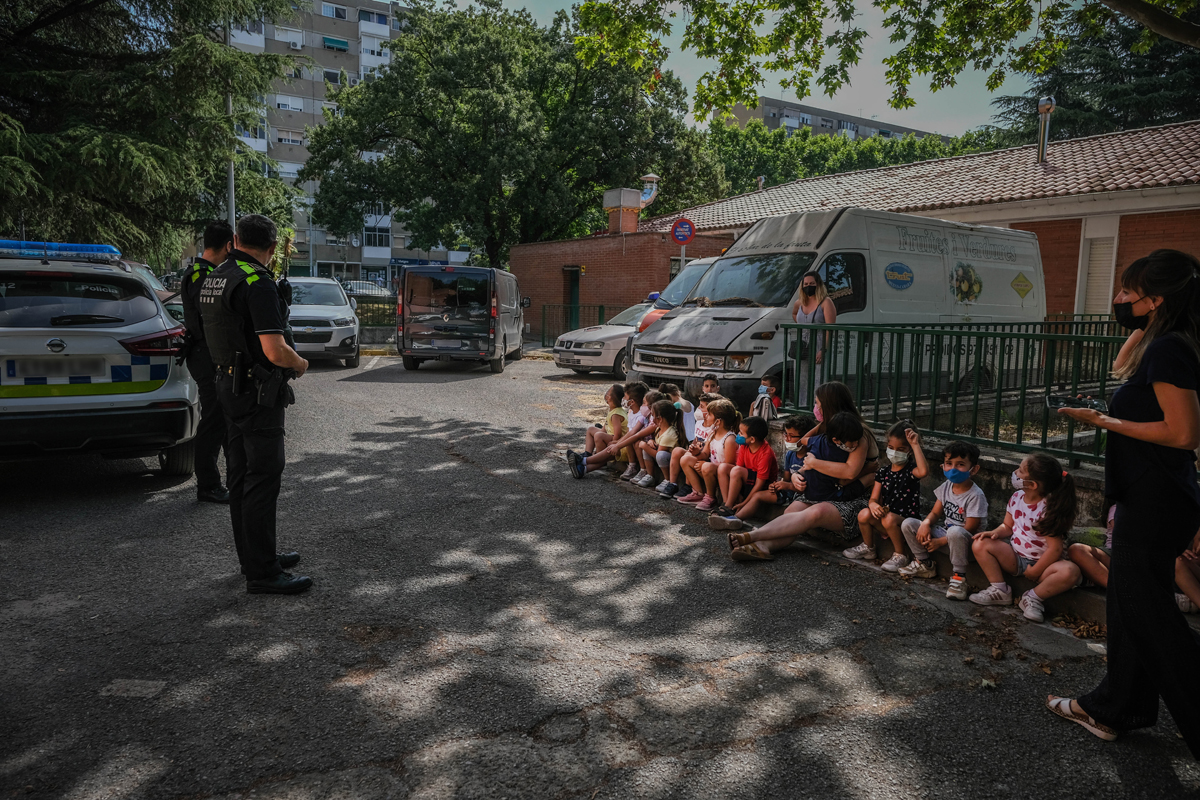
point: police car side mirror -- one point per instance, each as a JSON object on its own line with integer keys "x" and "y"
{"x": 526, "y": 302}
{"x": 353, "y": 304}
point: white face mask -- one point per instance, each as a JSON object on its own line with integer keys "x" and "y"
{"x": 897, "y": 456}
{"x": 1017, "y": 483}
{"x": 791, "y": 446}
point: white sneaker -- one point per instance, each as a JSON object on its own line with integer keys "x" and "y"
{"x": 992, "y": 596}
{"x": 1031, "y": 604}
{"x": 662, "y": 486}
{"x": 919, "y": 568}
{"x": 637, "y": 476}
{"x": 646, "y": 482}
{"x": 1185, "y": 603}
{"x": 629, "y": 472}
{"x": 958, "y": 588}
{"x": 862, "y": 550}
{"x": 894, "y": 563}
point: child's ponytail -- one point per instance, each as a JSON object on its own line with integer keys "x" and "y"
{"x": 1058, "y": 487}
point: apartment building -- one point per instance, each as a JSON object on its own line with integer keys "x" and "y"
{"x": 336, "y": 42}
{"x": 775, "y": 113}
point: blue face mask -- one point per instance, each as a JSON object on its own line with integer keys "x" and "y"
{"x": 763, "y": 389}
{"x": 957, "y": 475}
{"x": 740, "y": 439}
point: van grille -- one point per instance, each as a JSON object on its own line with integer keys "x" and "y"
{"x": 665, "y": 361}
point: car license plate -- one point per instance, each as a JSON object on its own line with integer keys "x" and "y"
{"x": 457, "y": 344}
{"x": 60, "y": 367}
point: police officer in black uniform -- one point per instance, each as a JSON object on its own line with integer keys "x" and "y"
{"x": 210, "y": 433}
{"x": 244, "y": 324}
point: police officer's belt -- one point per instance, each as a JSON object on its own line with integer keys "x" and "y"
{"x": 229, "y": 371}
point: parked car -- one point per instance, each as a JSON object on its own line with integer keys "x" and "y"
{"x": 323, "y": 320}
{"x": 89, "y": 360}
{"x": 366, "y": 289}
{"x": 452, "y": 313}
{"x": 600, "y": 348}
{"x": 677, "y": 290}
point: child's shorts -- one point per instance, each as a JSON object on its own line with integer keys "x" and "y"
{"x": 1023, "y": 563}
{"x": 786, "y": 497}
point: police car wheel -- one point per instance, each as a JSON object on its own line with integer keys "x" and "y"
{"x": 178, "y": 460}
{"x": 411, "y": 363}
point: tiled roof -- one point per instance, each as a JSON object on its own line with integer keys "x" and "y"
{"x": 1167, "y": 155}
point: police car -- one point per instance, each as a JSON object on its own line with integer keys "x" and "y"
{"x": 87, "y": 359}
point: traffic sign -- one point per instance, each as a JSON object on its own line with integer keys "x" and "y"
{"x": 683, "y": 230}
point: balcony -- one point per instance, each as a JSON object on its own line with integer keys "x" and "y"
{"x": 252, "y": 38}
{"x": 373, "y": 29}
{"x": 258, "y": 145}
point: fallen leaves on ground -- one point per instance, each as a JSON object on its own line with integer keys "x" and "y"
{"x": 1081, "y": 628}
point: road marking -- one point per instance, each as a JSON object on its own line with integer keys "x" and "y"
{"x": 371, "y": 364}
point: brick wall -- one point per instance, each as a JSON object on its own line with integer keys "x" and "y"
{"x": 1142, "y": 233}
{"x": 621, "y": 269}
{"x": 1058, "y": 240}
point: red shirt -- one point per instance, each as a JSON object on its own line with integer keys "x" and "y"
{"x": 762, "y": 463}
{"x": 776, "y": 401}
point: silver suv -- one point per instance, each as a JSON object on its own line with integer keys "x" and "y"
{"x": 88, "y": 361}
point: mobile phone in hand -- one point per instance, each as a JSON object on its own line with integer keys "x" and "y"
{"x": 1056, "y": 401}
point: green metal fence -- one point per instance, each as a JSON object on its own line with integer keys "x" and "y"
{"x": 984, "y": 383}
{"x": 558, "y": 319}
{"x": 376, "y": 312}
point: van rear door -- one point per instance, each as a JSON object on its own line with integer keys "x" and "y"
{"x": 447, "y": 308}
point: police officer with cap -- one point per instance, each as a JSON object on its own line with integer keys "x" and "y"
{"x": 210, "y": 433}
{"x": 245, "y": 319}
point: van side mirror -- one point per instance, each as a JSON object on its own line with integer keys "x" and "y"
{"x": 353, "y": 304}
{"x": 526, "y": 302}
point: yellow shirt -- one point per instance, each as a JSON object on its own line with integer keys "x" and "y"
{"x": 668, "y": 438}
{"x": 608, "y": 421}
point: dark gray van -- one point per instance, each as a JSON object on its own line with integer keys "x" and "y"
{"x": 453, "y": 313}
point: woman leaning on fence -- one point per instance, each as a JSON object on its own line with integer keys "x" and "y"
{"x": 813, "y": 307}
{"x": 1153, "y": 427}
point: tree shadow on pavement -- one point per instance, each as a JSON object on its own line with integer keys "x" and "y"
{"x": 483, "y": 625}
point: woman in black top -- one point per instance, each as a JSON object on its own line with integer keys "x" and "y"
{"x": 1150, "y": 473}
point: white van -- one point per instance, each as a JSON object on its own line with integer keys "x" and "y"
{"x": 880, "y": 269}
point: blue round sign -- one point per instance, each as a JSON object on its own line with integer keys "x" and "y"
{"x": 683, "y": 230}
{"x": 898, "y": 276}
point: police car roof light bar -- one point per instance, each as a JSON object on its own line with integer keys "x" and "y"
{"x": 14, "y": 248}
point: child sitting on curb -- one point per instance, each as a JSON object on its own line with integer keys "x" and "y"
{"x": 1031, "y": 541}
{"x": 784, "y": 491}
{"x": 1092, "y": 561}
{"x": 615, "y": 423}
{"x": 755, "y": 468}
{"x": 635, "y": 395}
{"x": 965, "y": 508}
{"x": 895, "y": 497}
{"x": 673, "y": 393}
{"x": 703, "y": 428}
{"x": 668, "y": 434}
{"x": 645, "y": 464}
{"x": 720, "y": 449}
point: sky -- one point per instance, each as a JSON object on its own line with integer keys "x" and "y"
{"x": 950, "y": 111}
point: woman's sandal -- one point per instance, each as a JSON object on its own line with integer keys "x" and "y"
{"x": 1062, "y": 707}
{"x": 737, "y": 540}
{"x": 749, "y": 552}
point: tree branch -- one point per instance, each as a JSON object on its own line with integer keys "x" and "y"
{"x": 1166, "y": 25}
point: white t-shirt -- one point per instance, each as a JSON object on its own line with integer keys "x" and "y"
{"x": 958, "y": 508}
{"x": 689, "y": 420}
{"x": 702, "y": 432}
{"x": 1025, "y": 540}
{"x": 716, "y": 453}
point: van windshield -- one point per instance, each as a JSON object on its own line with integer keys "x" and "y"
{"x": 756, "y": 280}
{"x": 683, "y": 284}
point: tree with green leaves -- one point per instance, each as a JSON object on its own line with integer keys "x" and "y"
{"x": 488, "y": 128}
{"x": 807, "y": 39}
{"x": 113, "y": 124}
{"x": 1107, "y": 80}
{"x": 753, "y": 151}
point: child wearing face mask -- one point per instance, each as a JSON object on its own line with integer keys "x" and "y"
{"x": 768, "y": 400}
{"x": 783, "y": 492}
{"x": 964, "y": 507}
{"x": 1032, "y": 539}
{"x": 895, "y": 497}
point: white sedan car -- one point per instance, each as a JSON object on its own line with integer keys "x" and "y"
{"x": 600, "y": 348}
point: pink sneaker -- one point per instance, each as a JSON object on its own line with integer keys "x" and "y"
{"x": 690, "y": 499}
{"x": 707, "y": 504}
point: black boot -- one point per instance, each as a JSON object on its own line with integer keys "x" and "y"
{"x": 283, "y": 583}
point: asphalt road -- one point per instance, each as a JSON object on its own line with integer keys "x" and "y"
{"x": 482, "y": 625}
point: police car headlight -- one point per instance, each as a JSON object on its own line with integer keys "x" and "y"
{"x": 344, "y": 322}
{"x": 739, "y": 363}
{"x": 590, "y": 346}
